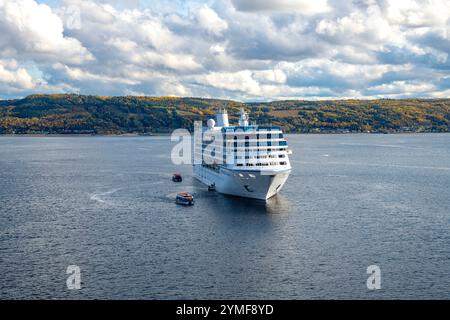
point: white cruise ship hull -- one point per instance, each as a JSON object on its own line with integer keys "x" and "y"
{"x": 243, "y": 183}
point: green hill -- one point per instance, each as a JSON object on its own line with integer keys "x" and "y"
{"x": 76, "y": 114}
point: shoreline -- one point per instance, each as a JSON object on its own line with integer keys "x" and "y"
{"x": 44, "y": 135}
{"x": 133, "y": 135}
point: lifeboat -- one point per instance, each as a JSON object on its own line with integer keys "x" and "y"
{"x": 185, "y": 199}
{"x": 177, "y": 177}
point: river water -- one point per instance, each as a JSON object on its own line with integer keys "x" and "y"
{"x": 106, "y": 204}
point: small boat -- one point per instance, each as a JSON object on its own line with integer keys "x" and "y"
{"x": 212, "y": 187}
{"x": 177, "y": 177}
{"x": 185, "y": 199}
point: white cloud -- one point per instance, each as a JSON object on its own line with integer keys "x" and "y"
{"x": 238, "y": 49}
{"x": 241, "y": 81}
{"x": 18, "y": 78}
{"x": 78, "y": 74}
{"x": 173, "y": 88}
{"x": 90, "y": 11}
{"x": 367, "y": 28}
{"x": 414, "y": 13}
{"x": 402, "y": 88}
{"x": 173, "y": 61}
{"x": 156, "y": 34}
{"x": 246, "y": 82}
{"x": 133, "y": 53}
{"x": 302, "y": 6}
{"x": 270, "y": 76}
{"x": 31, "y": 29}
{"x": 124, "y": 45}
{"x": 210, "y": 21}
{"x": 334, "y": 74}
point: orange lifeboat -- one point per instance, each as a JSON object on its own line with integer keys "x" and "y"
{"x": 185, "y": 199}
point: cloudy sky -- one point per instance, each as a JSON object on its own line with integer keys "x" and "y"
{"x": 247, "y": 50}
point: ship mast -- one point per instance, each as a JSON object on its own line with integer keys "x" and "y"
{"x": 243, "y": 120}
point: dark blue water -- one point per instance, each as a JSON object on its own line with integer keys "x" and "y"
{"x": 107, "y": 205}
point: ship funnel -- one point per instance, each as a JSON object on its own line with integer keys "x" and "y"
{"x": 222, "y": 118}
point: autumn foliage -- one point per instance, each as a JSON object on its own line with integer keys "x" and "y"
{"x": 77, "y": 114}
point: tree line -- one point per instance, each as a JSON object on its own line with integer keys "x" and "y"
{"x": 79, "y": 114}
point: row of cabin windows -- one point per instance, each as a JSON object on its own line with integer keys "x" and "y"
{"x": 258, "y": 136}
{"x": 243, "y": 155}
{"x": 262, "y": 144}
{"x": 257, "y": 150}
{"x": 268, "y": 143}
{"x": 273, "y": 156}
{"x": 282, "y": 163}
{"x": 247, "y": 145}
{"x": 264, "y": 156}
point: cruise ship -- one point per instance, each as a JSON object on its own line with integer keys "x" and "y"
{"x": 245, "y": 160}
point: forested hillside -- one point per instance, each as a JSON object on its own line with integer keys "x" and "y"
{"x": 77, "y": 114}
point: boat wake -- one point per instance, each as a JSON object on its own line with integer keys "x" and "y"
{"x": 102, "y": 197}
